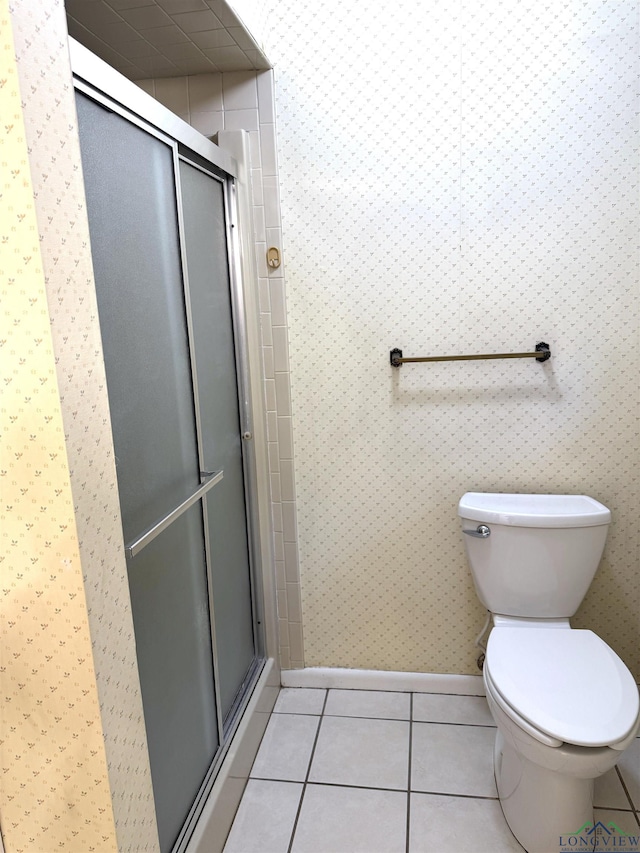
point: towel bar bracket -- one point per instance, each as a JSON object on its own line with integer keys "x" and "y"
{"x": 544, "y": 350}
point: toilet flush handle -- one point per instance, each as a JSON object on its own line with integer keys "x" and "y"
{"x": 481, "y": 532}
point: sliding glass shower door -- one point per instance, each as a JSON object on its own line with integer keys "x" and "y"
{"x": 205, "y": 243}
{"x": 160, "y": 245}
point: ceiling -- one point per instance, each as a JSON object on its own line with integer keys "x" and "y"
{"x": 164, "y": 38}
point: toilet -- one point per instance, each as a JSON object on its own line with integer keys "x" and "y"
{"x": 565, "y": 705}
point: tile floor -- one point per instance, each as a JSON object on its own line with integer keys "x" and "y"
{"x": 359, "y": 771}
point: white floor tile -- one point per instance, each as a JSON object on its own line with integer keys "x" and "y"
{"x": 440, "y": 708}
{"x": 351, "y": 820}
{"x": 299, "y": 700}
{"x": 372, "y": 753}
{"x": 453, "y": 759}
{"x": 608, "y": 792}
{"x": 286, "y": 747}
{"x": 619, "y": 823}
{"x": 264, "y": 822}
{"x": 629, "y": 766}
{"x": 369, "y": 703}
{"x": 441, "y": 824}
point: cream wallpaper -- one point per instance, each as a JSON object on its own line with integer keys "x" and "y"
{"x": 55, "y": 791}
{"x": 54, "y": 155}
{"x": 455, "y": 177}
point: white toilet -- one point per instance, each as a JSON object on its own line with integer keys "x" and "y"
{"x": 564, "y": 703}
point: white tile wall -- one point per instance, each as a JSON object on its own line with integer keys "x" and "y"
{"x": 168, "y": 38}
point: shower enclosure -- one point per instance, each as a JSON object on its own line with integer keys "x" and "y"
{"x": 164, "y": 245}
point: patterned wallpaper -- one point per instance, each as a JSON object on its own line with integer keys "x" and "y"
{"x": 54, "y": 793}
{"x": 54, "y": 157}
{"x": 455, "y": 177}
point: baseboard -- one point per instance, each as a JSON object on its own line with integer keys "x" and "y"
{"x": 372, "y": 679}
{"x": 219, "y": 811}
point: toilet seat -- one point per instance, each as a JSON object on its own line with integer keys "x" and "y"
{"x": 568, "y": 684}
{"x": 512, "y": 714}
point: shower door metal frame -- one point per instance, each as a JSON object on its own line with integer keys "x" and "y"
{"x": 98, "y": 81}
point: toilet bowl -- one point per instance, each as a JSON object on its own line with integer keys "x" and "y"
{"x": 565, "y": 705}
{"x": 544, "y": 771}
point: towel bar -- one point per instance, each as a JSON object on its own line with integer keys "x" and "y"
{"x": 542, "y": 353}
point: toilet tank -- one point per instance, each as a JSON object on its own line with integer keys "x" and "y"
{"x": 541, "y": 554}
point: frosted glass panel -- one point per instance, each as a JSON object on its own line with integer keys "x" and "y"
{"x": 205, "y": 238}
{"x": 169, "y": 599}
{"x": 131, "y": 204}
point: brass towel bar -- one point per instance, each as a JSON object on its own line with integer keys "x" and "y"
{"x": 542, "y": 353}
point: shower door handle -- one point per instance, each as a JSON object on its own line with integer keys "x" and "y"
{"x": 211, "y": 479}
{"x": 481, "y": 532}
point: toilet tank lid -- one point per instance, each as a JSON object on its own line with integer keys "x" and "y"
{"x": 533, "y": 510}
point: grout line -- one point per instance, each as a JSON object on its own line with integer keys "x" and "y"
{"x": 622, "y": 811}
{"x": 387, "y": 719}
{"x": 387, "y": 790}
{"x": 306, "y": 778}
{"x": 298, "y": 713}
{"x": 343, "y": 785}
{"x": 312, "y": 713}
{"x": 363, "y": 717}
{"x": 387, "y": 690}
{"x": 459, "y": 796}
{"x": 612, "y": 809}
{"x": 408, "y": 827}
{"x": 466, "y": 725}
{"x": 626, "y": 790}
